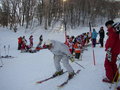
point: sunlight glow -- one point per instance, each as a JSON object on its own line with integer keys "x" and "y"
{"x": 64, "y": 0}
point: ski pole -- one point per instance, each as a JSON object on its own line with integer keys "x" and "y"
{"x": 79, "y": 64}
{"x": 1, "y": 63}
{"x": 94, "y": 61}
{"x": 5, "y": 49}
{"x": 1, "y": 59}
{"x": 8, "y": 49}
{"x": 117, "y": 83}
{"x": 118, "y": 77}
{"x": 81, "y": 56}
{"x": 94, "y": 56}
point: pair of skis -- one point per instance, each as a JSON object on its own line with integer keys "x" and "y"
{"x": 61, "y": 85}
{"x": 6, "y": 50}
{"x": 66, "y": 82}
{"x": 39, "y": 82}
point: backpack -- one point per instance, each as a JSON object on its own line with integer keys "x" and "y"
{"x": 117, "y": 27}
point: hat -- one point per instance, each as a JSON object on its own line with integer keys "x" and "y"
{"x": 110, "y": 22}
{"x": 48, "y": 42}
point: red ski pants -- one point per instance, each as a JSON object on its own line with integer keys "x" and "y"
{"x": 111, "y": 68}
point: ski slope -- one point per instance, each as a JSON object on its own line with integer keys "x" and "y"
{"x": 23, "y": 71}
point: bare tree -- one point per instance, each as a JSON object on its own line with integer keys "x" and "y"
{"x": 48, "y": 12}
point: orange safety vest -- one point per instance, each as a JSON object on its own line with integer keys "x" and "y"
{"x": 77, "y": 48}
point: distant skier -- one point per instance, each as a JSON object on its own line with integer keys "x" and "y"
{"x": 77, "y": 49}
{"x": 61, "y": 52}
{"x": 40, "y": 43}
{"x": 94, "y": 36}
{"x": 31, "y": 41}
{"x": 112, "y": 48}
{"x": 24, "y": 46}
{"x": 102, "y": 35}
{"x": 24, "y": 40}
{"x": 40, "y": 39}
{"x": 88, "y": 38}
{"x": 71, "y": 44}
{"x": 19, "y": 42}
{"x": 67, "y": 40}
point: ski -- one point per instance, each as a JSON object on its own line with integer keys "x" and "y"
{"x": 65, "y": 82}
{"x": 7, "y": 57}
{"x": 39, "y": 82}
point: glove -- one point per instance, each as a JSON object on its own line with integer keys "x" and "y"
{"x": 72, "y": 59}
{"x": 109, "y": 55}
{"x": 118, "y": 58}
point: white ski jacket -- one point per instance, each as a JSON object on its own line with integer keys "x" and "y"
{"x": 59, "y": 48}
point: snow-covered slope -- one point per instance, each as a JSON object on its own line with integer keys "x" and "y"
{"x": 22, "y": 72}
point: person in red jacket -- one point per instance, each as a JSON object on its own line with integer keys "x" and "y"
{"x": 67, "y": 41}
{"x": 112, "y": 48}
{"x": 19, "y": 42}
{"x": 70, "y": 44}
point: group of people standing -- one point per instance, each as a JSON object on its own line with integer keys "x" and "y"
{"x": 77, "y": 43}
{"x": 101, "y": 35}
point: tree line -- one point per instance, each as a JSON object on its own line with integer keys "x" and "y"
{"x": 73, "y": 13}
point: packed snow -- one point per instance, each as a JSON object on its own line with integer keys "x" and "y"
{"x": 25, "y": 69}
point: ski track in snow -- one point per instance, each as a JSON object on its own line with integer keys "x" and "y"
{"x": 22, "y": 72}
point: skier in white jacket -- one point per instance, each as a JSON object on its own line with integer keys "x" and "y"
{"x": 61, "y": 52}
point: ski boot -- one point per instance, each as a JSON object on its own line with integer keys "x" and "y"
{"x": 70, "y": 76}
{"x": 58, "y": 73}
{"x": 106, "y": 80}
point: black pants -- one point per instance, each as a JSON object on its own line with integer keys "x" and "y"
{"x": 94, "y": 42}
{"x": 101, "y": 41}
{"x": 19, "y": 46}
{"x": 77, "y": 55}
{"x": 72, "y": 50}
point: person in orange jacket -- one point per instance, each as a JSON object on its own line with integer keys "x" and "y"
{"x": 77, "y": 49}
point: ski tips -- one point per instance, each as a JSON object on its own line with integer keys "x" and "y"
{"x": 59, "y": 87}
{"x": 38, "y": 82}
{"x": 78, "y": 71}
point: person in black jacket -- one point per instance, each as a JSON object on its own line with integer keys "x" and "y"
{"x": 40, "y": 43}
{"x": 102, "y": 35}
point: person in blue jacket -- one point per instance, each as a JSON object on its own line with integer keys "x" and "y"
{"x": 94, "y": 36}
